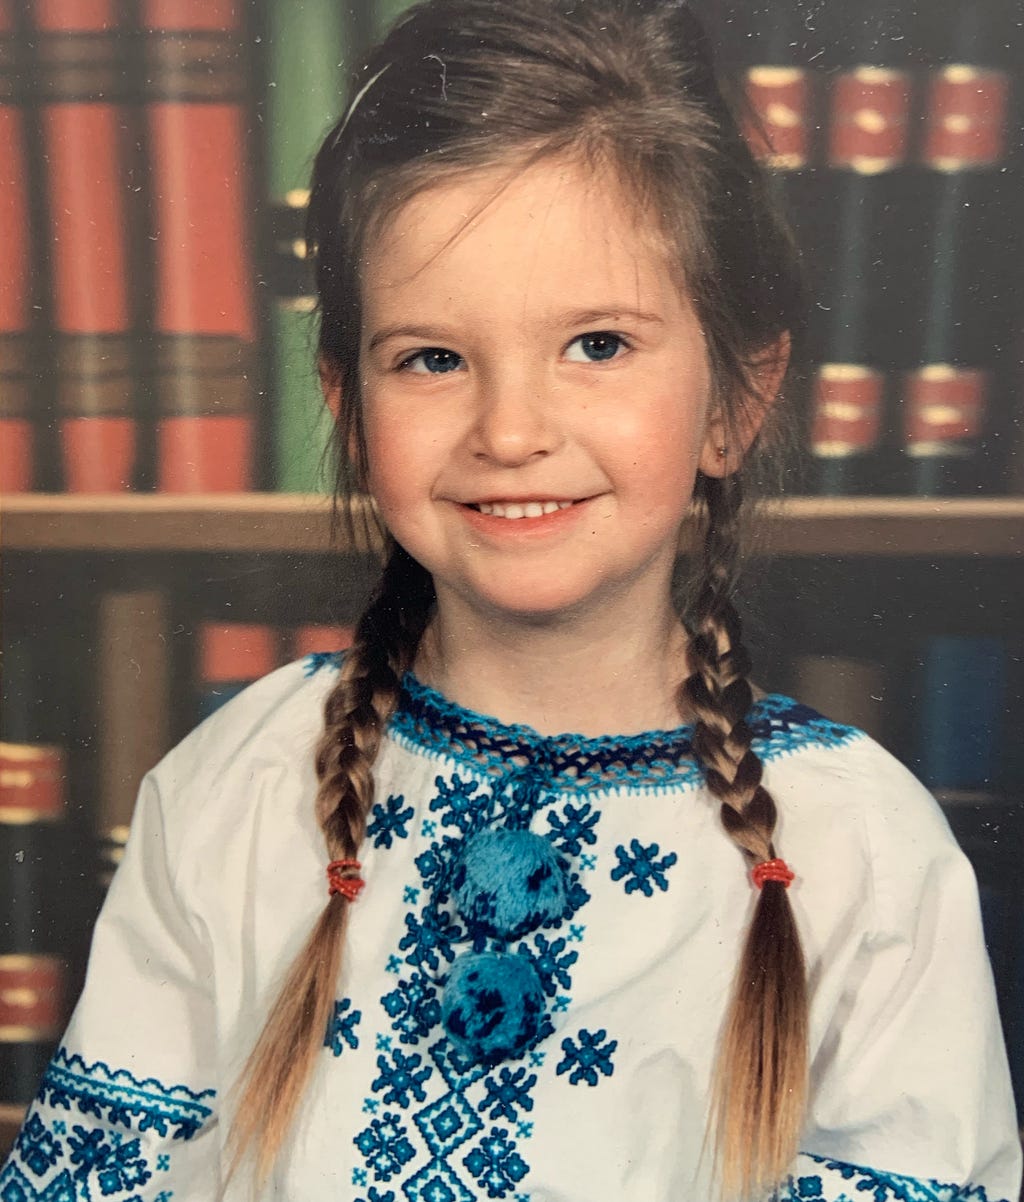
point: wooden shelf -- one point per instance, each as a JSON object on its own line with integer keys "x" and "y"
{"x": 889, "y": 526}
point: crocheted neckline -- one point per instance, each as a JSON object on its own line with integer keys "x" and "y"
{"x": 656, "y": 758}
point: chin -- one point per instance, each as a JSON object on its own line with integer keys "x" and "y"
{"x": 544, "y": 603}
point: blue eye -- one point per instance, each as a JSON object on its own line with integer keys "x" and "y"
{"x": 599, "y": 346}
{"x": 434, "y": 361}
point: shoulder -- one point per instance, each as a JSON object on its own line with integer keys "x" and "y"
{"x": 843, "y": 797}
{"x": 270, "y": 727}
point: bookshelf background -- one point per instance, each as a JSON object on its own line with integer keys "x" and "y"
{"x": 877, "y": 566}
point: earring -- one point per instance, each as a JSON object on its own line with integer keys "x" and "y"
{"x": 721, "y": 452}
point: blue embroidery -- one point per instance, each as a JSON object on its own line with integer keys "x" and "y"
{"x": 117, "y": 1166}
{"x": 385, "y": 1146}
{"x": 874, "y": 1185}
{"x": 576, "y": 827}
{"x": 510, "y": 1092}
{"x": 341, "y": 1029}
{"x": 38, "y": 1148}
{"x": 458, "y": 800}
{"x": 642, "y": 869}
{"x": 321, "y": 659}
{"x": 401, "y": 1077}
{"x": 374, "y": 1195}
{"x": 426, "y": 938}
{"x": 496, "y": 1164}
{"x": 94, "y": 1156}
{"x": 414, "y": 1007}
{"x": 551, "y": 961}
{"x": 447, "y": 1123}
{"x": 433, "y": 936}
{"x": 389, "y": 821}
{"x": 591, "y": 1056}
{"x": 653, "y": 761}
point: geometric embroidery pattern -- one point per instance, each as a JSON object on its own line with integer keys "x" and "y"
{"x": 655, "y": 761}
{"x": 467, "y": 1118}
{"x": 94, "y": 1159}
{"x": 838, "y": 1181}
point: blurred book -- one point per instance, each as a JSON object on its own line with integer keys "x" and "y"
{"x": 32, "y": 809}
{"x": 81, "y": 80}
{"x": 197, "y": 72}
{"x": 850, "y": 691}
{"x": 309, "y": 50}
{"x": 133, "y": 704}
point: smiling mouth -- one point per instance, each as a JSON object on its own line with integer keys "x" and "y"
{"x": 520, "y": 509}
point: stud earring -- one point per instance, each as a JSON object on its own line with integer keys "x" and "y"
{"x": 722, "y": 452}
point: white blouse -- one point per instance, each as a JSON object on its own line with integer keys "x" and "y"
{"x": 536, "y": 972}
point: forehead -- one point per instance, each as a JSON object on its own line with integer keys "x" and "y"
{"x": 556, "y": 223}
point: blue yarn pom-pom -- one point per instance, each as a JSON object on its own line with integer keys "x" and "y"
{"x": 493, "y": 1006}
{"x": 509, "y": 882}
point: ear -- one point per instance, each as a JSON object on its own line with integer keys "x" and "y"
{"x": 726, "y": 443}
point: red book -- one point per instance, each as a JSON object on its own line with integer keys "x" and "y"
{"x": 85, "y": 149}
{"x": 17, "y": 430}
{"x": 231, "y": 656}
{"x": 319, "y": 639}
{"x": 203, "y": 317}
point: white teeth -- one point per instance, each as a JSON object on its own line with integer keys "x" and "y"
{"x": 528, "y": 509}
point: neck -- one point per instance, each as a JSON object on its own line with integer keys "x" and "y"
{"x": 608, "y": 673}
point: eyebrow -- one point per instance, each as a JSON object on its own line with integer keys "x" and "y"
{"x": 577, "y": 317}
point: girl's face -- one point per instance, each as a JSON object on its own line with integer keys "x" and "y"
{"x": 535, "y": 391}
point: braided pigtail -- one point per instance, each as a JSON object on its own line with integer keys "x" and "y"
{"x": 760, "y": 1085}
{"x": 355, "y": 715}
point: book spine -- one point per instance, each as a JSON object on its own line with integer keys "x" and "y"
{"x": 963, "y": 705}
{"x": 80, "y": 81}
{"x": 231, "y": 656}
{"x": 31, "y": 969}
{"x": 851, "y": 691}
{"x": 309, "y": 45}
{"x": 203, "y": 306}
{"x": 320, "y": 639}
{"x": 945, "y": 394}
{"x": 17, "y": 426}
{"x": 133, "y": 698}
{"x": 869, "y": 118}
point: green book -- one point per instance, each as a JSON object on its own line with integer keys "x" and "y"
{"x": 311, "y": 44}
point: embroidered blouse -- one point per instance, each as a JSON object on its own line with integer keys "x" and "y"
{"x": 535, "y": 975}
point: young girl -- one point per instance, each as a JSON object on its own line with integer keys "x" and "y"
{"x": 705, "y": 943}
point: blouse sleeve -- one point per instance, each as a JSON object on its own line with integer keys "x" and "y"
{"x": 911, "y": 1089}
{"x": 126, "y": 1108}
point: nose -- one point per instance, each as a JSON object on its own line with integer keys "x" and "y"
{"x": 515, "y": 420}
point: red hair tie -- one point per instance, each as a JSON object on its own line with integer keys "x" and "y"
{"x": 342, "y": 878}
{"x": 772, "y": 870}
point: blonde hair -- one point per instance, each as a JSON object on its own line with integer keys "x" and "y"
{"x": 632, "y": 87}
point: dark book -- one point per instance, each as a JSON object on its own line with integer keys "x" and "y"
{"x": 80, "y": 78}
{"x": 962, "y": 706}
{"x": 133, "y": 703}
{"x": 945, "y": 390}
{"x": 847, "y": 690}
{"x": 194, "y": 90}
{"x": 309, "y": 46}
{"x": 18, "y": 420}
{"x": 868, "y": 122}
{"x": 32, "y": 793}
